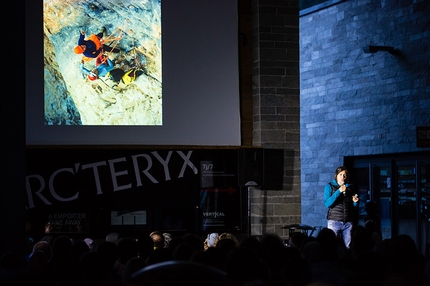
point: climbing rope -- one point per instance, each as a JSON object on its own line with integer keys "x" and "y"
{"x": 111, "y": 38}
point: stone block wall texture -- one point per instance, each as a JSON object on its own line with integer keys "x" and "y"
{"x": 276, "y": 109}
{"x": 355, "y": 103}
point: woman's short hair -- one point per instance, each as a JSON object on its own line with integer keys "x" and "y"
{"x": 341, "y": 169}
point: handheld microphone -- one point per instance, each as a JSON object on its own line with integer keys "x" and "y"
{"x": 341, "y": 185}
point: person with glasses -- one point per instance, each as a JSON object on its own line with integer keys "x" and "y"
{"x": 342, "y": 203}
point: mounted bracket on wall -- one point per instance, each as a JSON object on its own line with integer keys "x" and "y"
{"x": 374, "y": 49}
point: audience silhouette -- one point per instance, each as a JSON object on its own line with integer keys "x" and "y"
{"x": 372, "y": 218}
{"x": 265, "y": 260}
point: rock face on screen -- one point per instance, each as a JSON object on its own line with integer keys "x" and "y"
{"x": 133, "y": 30}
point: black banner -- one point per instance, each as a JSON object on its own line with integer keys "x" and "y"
{"x": 97, "y": 190}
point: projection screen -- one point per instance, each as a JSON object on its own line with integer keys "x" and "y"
{"x": 167, "y": 73}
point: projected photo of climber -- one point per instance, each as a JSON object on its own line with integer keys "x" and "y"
{"x": 102, "y": 62}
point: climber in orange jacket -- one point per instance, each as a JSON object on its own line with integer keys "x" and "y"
{"x": 92, "y": 47}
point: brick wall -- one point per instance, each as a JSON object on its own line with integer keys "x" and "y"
{"x": 275, "y": 91}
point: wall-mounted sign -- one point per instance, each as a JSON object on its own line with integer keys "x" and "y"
{"x": 423, "y": 136}
{"x": 66, "y": 222}
{"x": 128, "y": 218}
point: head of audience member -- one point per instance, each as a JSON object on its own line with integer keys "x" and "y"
{"x": 297, "y": 239}
{"x": 167, "y": 239}
{"x": 212, "y": 256}
{"x": 113, "y": 237}
{"x": 210, "y": 240}
{"x": 62, "y": 246}
{"x": 327, "y": 238}
{"x": 91, "y": 244}
{"x": 79, "y": 248}
{"x": 194, "y": 240}
{"x": 133, "y": 265}
{"x": 176, "y": 240}
{"x": 108, "y": 250}
{"x": 183, "y": 251}
{"x": 127, "y": 249}
{"x": 158, "y": 239}
{"x": 253, "y": 243}
{"x": 226, "y": 242}
{"x": 244, "y": 266}
{"x": 227, "y": 235}
{"x": 43, "y": 246}
{"x": 145, "y": 245}
{"x": 268, "y": 240}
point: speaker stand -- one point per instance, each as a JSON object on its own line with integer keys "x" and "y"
{"x": 249, "y": 185}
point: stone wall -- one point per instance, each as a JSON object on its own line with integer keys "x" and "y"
{"x": 275, "y": 90}
{"x": 356, "y": 103}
